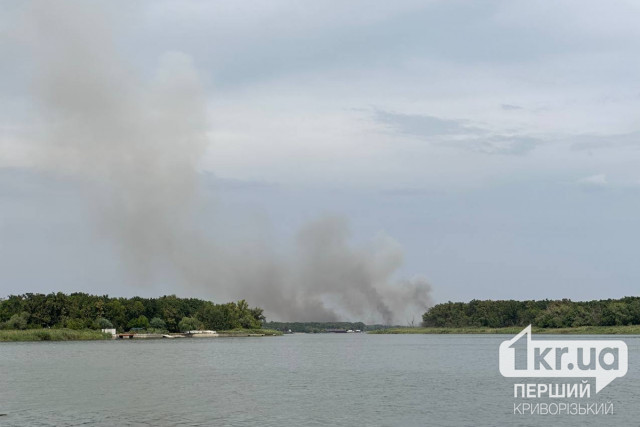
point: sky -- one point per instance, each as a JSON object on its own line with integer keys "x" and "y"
{"x": 494, "y": 143}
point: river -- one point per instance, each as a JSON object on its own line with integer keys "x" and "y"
{"x": 293, "y": 380}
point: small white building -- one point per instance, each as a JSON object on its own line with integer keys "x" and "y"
{"x": 111, "y": 331}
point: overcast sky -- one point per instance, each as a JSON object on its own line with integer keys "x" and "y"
{"x": 497, "y": 142}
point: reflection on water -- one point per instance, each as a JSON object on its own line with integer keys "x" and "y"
{"x": 295, "y": 380}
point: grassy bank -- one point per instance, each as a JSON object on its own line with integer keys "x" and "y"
{"x": 240, "y": 332}
{"x": 52, "y": 335}
{"x": 581, "y": 330}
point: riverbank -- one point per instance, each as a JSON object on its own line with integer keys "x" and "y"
{"x": 213, "y": 334}
{"x": 580, "y": 330}
{"x": 14, "y": 335}
{"x": 52, "y": 335}
{"x": 249, "y": 333}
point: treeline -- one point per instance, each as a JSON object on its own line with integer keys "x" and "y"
{"x": 314, "y": 327}
{"x": 82, "y": 311}
{"x": 545, "y": 314}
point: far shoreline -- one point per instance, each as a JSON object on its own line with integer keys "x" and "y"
{"x": 512, "y": 330}
{"x": 64, "y": 334}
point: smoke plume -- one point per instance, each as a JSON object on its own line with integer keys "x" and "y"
{"x": 134, "y": 139}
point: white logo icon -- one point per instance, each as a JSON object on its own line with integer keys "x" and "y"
{"x": 604, "y": 360}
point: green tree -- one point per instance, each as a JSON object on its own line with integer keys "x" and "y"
{"x": 139, "y": 322}
{"x": 211, "y": 316}
{"x": 74, "y": 323}
{"x": 189, "y": 324}
{"x": 616, "y": 313}
{"x": 157, "y": 323}
{"x": 103, "y": 323}
{"x": 80, "y": 310}
{"x": 115, "y": 311}
{"x": 18, "y": 321}
{"x": 169, "y": 309}
{"x": 257, "y": 314}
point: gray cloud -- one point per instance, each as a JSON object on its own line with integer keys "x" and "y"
{"x": 423, "y": 126}
{"x": 456, "y": 133}
{"x": 498, "y": 144}
{"x": 598, "y": 142}
{"x": 281, "y": 83}
{"x": 289, "y": 39}
{"x": 510, "y": 107}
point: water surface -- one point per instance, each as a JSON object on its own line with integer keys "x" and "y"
{"x": 294, "y": 380}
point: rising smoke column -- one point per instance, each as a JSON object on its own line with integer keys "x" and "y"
{"x": 135, "y": 141}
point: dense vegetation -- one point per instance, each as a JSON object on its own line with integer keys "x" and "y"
{"x": 543, "y": 314}
{"x": 52, "y": 335}
{"x": 82, "y": 311}
{"x": 512, "y": 330}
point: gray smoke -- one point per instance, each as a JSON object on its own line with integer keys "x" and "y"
{"x": 327, "y": 279}
{"x": 135, "y": 141}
